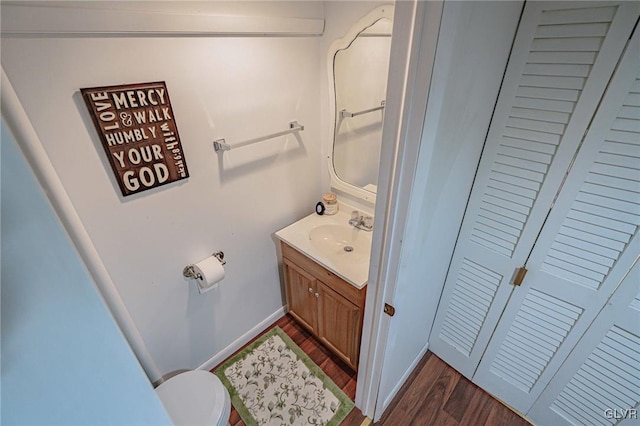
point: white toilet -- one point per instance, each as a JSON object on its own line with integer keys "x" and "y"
{"x": 195, "y": 398}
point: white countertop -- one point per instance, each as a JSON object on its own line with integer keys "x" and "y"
{"x": 297, "y": 235}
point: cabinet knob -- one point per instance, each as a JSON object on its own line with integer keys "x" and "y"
{"x": 310, "y": 290}
{"x": 317, "y": 295}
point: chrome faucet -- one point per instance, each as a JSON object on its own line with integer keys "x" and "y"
{"x": 361, "y": 221}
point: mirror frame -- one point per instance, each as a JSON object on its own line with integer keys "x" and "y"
{"x": 362, "y": 24}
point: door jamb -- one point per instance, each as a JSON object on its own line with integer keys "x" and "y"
{"x": 416, "y": 27}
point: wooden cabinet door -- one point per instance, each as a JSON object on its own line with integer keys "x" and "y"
{"x": 339, "y": 323}
{"x": 302, "y": 295}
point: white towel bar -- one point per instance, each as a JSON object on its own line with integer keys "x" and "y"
{"x": 222, "y": 145}
{"x": 344, "y": 113}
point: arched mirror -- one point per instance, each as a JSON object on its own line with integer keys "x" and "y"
{"x": 358, "y": 66}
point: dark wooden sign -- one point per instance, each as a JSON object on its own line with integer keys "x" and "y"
{"x": 138, "y": 131}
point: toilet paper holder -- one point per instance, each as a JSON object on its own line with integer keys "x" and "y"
{"x": 189, "y": 271}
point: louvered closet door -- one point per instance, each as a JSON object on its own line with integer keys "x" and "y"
{"x": 586, "y": 246}
{"x": 599, "y": 383}
{"x": 563, "y": 57}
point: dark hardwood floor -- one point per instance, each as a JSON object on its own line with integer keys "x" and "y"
{"x": 434, "y": 394}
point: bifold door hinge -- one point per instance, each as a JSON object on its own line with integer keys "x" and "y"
{"x": 389, "y": 310}
{"x": 518, "y": 276}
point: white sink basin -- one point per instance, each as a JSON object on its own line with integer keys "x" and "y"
{"x": 330, "y": 241}
{"x": 342, "y": 243}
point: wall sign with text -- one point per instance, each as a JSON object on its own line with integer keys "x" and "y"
{"x": 138, "y": 131}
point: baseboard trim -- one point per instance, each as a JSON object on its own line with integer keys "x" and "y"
{"x": 401, "y": 382}
{"x": 242, "y": 340}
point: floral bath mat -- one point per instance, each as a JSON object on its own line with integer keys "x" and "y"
{"x": 273, "y": 382}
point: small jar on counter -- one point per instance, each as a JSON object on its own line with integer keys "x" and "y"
{"x": 330, "y": 201}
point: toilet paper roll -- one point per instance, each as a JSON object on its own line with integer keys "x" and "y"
{"x": 210, "y": 273}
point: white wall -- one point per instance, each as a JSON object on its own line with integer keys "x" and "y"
{"x": 472, "y": 52}
{"x": 64, "y": 360}
{"x": 231, "y": 87}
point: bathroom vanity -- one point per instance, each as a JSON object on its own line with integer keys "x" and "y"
{"x": 325, "y": 266}
{"x": 328, "y": 306}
